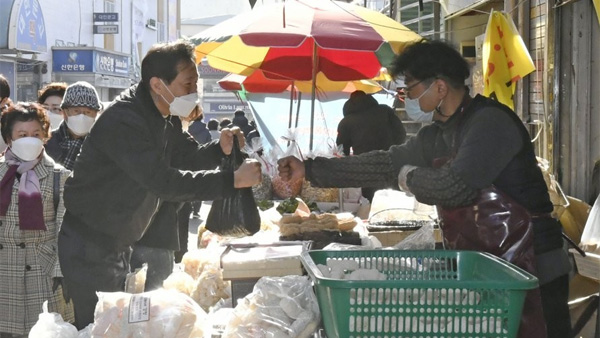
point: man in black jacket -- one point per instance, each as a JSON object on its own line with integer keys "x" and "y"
{"x": 135, "y": 158}
{"x": 366, "y": 126}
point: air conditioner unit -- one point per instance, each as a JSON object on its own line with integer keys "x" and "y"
{"x": 151, "y": 23}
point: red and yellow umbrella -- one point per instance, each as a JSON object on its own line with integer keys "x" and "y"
{"x": 302, "y": 40}
{"x": 257, "y": 82}
{"x": 294, "y": 39}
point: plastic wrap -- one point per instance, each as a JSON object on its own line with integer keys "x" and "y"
{"x": 210, "y": 287}
{"x": 202, "y": 278}
{"x": 263, "y": 190}
{"x": 278, "y": 307}
{"x": 155, "y": 314}
{"x": 51, "y": 325}
{"x": 194, "y": 261}
{"x": 590, "y": 238}
{"x": 422, "y": 239}
{"x": 315, "y": 194}
{"x": 292, "y": 188}
{"x": 135, "y": 282}
{"x": 236, "y": 215}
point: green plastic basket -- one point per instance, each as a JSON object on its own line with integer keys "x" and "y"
{"x": 429, "y": 293}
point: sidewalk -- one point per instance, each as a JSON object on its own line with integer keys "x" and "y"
{"x": 195, "y": 223}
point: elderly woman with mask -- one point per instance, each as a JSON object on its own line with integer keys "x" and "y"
{"x": 80, "y": 106}
{"x": 31, "y": 211}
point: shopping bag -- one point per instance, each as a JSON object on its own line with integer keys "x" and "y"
{"x": 236, "y": 215}
{"x": 590, "y": 238}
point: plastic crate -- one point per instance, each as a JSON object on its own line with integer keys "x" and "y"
{"x": 427, "y": 293}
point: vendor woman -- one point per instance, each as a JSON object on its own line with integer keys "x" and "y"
{"x": 477, "y": 165}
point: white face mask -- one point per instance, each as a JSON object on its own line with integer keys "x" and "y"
{"x": 55, "y": 119}
{"x": 2, "y": 144}
{"x": 80, "y": 124}
{"x": 413, "y": 110}
{"x": 27, "y": 148}
{"x": 182, "y": 105}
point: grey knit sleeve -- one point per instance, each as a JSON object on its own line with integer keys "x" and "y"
{"x": 440, "y": 187}
{"x": 372, "y": 169}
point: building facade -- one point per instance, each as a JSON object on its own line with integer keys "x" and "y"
{"x": 99, "y": 41}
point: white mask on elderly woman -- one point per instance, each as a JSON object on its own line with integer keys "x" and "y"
{"x": 27, "y": 148}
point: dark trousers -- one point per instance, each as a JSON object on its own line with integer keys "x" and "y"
{"x": 555, "y": 295}
{"x": 183, "y": 223}
{"x": 88, "y": 268}
{"x": 160, "y": 264}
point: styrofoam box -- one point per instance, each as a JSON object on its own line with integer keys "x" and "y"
{"x": 588, "y": 266}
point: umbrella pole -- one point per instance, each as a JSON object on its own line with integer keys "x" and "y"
{"x": 312, "y": 99}
{"x": 291, "y": 108}
{"x": 298, "y": 109}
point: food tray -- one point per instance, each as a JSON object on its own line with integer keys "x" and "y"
{"x": 427, "y": 293}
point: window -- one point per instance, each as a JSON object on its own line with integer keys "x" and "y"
{"x": 161, "y": 31}
{"x": 425, "y": 22}
{"x": 109, "y": 6}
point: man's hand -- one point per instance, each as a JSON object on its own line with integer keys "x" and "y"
{"x": 402, "y": 178}
{"x": 290, "y": 168}
{"x": 248, "y": 174}
{"x": 226, "y": 140}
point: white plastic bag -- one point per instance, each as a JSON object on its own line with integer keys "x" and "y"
{"x": 590, "y": 238}
{"x": 51, "y": 325}
{"x": 155, "y": 314}
{"x": 278, "y": 307}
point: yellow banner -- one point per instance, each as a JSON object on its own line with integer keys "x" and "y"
{"x": 506, "y": 60}
{"x": 597, "y": 6}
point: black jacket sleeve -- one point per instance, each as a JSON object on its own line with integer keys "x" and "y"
{"x": 372, "y": 169}
{"x": 135, "y": 152}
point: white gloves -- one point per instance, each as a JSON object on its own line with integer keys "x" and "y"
{"x": 402, "y": 178}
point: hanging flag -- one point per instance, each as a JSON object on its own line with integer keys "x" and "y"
{"x": 506, "y": 60}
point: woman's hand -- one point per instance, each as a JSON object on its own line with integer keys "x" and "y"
{"x": 226, "y": 140}
{"x": 248, "y": 174}
{"x": 290, "y": 168}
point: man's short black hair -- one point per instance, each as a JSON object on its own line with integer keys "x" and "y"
{"x": 430, "y": 60}
{"x": 213, "y": 124}
{"x": 163, "y": 59}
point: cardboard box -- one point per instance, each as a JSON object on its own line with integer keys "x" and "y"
{"x": 391, "y": 238}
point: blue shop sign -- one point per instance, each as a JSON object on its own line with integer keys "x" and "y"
{"x": 91, "y": 61}
{"x": 27, "y": 28}
{"x": 73, "y": 61}
{"x": 111, "y": 64}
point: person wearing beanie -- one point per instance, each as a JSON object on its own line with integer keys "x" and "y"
{"x": 50, "y": 97}
{"x": 80, "y": 105}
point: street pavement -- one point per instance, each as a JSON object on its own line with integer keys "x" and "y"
{"x": 194, "y": 224}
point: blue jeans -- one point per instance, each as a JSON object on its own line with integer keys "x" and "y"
{"x": 160, "y": 264}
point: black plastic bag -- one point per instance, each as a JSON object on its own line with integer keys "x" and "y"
{"x": 236, "y": 215}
